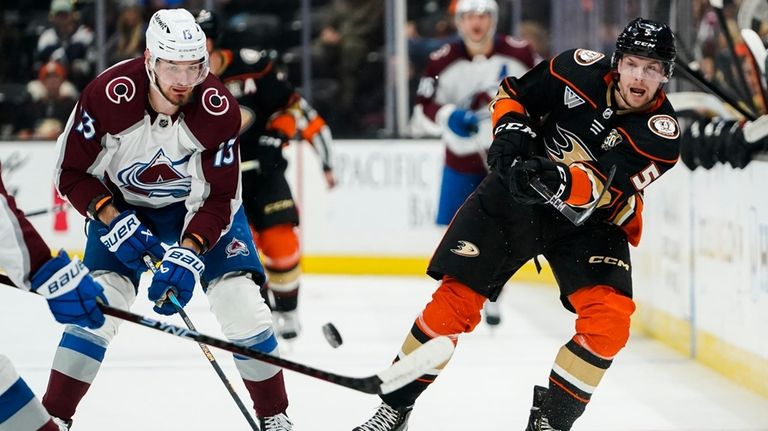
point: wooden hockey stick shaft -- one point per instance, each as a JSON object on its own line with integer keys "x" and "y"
{"x": 717, "y": 5}
{"x": 699, "y": 80}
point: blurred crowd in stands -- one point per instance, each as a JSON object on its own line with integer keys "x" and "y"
{"x": 49, "y": 50}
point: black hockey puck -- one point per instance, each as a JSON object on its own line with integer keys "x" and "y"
{"x": 332, "y": 335}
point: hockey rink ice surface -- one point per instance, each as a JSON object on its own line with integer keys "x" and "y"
{"x": 157, "y": 382}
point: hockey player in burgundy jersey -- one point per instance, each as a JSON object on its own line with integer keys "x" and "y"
{"x": 71, "y": 293}
{"x": 272, "y": 114}
{"x": 568, "y": 122}
{"x": 452, "y": 102}
{"x": 151, "y": 155}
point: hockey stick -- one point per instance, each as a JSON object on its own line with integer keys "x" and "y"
{"x": 397, "y": 375}
{"x": 53, "y": 209}
{"x": 206, "y": 351}
{"x": 699, "y": 80}
{"x": 756, "y": 57}
{"x": 410, "y": 367}
{"x": 717, "y": 5}
{"x": 576, "y": 217}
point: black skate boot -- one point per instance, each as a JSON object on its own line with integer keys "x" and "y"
{"x": 278, "y": 422}
{"x": 535, "y": 421}
{"x": 387, "y": 418}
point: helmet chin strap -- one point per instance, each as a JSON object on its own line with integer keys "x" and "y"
{"x": 153, "y": 80}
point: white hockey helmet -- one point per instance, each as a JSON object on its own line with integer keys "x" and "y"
{"x": 478, "y": 6}
{"x": 173, "y": 35}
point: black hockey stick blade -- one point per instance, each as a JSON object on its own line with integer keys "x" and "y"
{"x": 397, "y": 375}
{"x": 576, "y": 217}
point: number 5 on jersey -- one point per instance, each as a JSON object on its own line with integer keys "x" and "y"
{"x": 645, "y": 177}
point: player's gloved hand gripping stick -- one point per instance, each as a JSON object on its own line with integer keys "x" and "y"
{"x": 576, "y": 217}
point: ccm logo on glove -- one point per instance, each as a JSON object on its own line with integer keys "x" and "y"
{"x": 516, "y": 127}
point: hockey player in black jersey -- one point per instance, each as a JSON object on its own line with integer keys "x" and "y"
{"x": 272, "y": 113}
{"x": 567, "y": 122}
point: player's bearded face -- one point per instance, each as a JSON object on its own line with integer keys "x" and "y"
{"x": 475, "y": 26}
{"x": 177, "y": 79}
{"x": 639, "y": 79}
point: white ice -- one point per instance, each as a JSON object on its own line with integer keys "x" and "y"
{"x": 154, "y": 381}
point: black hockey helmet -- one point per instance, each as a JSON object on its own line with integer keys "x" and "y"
{"x": 647, "y": 38}
{"x": 208, "y": 21}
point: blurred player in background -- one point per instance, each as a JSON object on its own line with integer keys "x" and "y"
{"x": 567, "y": 123}
{"x": 452, "y": 102}
{"x": 273, "y": 114}
{"x": 151, "y": 155}
{"x": 72, "y": 296}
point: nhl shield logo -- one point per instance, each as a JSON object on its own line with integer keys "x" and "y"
{"x": 237, "y": 247}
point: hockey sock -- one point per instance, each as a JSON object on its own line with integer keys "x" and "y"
{"x": 574, "y": 377}
{"x": 19, "y": 408}
{"x": 454, "y": 309}
{"x": 264, "y": 381}
{"x": 78, "y": 359}
{"x": 280, "y": 245}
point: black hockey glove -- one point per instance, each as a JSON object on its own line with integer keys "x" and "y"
{"x": 556, "y": 176}
{"x": 513, "y": 137}
{"x": 705, "y": 143}
{"x": 270, "y": 152}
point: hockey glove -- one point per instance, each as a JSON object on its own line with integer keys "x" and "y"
{"x": 130, "y": 240}
{"x": 556, "y": 176}
{"x": 513, "y": 137}
{"x": 270, "y": 153}
{"x": 70, "y": 290}
{"x": 463, "y": 123}
{"x": 179, "y": 272}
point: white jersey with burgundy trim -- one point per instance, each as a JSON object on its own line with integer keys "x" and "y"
{"x": 115, "y": 144}
{"x": 453, "y": 79}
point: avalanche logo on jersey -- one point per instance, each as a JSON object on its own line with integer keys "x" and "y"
{"x": 566, "y": 147}
{"x": 159, "y": 178}
{"x": 120, "y": 89}
{"x": 236, "y": 247}
{"x": 214, "y": 103}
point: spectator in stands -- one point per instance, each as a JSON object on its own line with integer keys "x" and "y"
{"x": 68, "y": 43}
{"x": 354, "y": 29}
{"x": 128, "y": 39}
{"x": 51, "y": 99}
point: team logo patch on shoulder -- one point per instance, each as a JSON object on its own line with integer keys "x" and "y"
{"x": 237, "y": 247}
{"x": 466, "y": 249}
{"x": 585, "y": 57}
{"x": 120, "y": 89}
{"x": 664, "y": 126}
{"x": 215, "y": 103}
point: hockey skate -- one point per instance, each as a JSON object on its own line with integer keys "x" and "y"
{"x": 287, "y": 324}
{"x": 535, "y": 421}
{"x": 492, "y": 313}
{"x": 278, "y": 422}
{"x": 387, "y": 418}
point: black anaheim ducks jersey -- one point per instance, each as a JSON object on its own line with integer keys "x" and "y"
{"x": 251, "y": 78}
{"x": 572, "y": 99}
